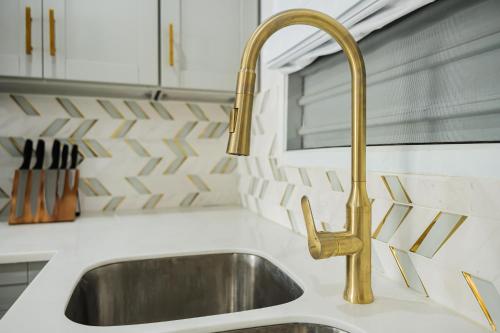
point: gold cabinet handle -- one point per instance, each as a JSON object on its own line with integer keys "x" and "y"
{"x": 171, "y": 44}
{"x": 28, "y": 20}
{"x": 52, "y": 32}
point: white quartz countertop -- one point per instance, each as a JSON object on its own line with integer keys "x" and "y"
{"x": 74, "y": 248}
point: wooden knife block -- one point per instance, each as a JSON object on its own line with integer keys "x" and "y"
{"x": 64, "y": 205}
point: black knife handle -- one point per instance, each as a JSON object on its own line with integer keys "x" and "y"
{"x": 74, "y": 157}
{"x": 40, "y": 154}
{"x": 27, "y": 152}
{"x": 64, "y": 157}
{"x": 56, "y": 152}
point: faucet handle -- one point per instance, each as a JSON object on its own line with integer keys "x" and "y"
{"x": 323, "y": 244}
{"x": 313, "y": 239}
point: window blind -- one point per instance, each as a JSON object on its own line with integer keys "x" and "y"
{"x": 432, "y": 77}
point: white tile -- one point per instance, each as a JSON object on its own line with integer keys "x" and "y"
{"x": 450, "y": 194}
{"x": 448, "y": 287}
{"x": 484, "y": 198}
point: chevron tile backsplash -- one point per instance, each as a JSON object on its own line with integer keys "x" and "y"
{"x": 437, "y": 235}
{"x": 137, "y": 154}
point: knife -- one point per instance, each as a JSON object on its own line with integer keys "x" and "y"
{"x": 23, "y": 175}
{"x": 62, "y": 173}
{"x": 73, "y": 165}
{"x": 36, "y": 174}
{"x": 51, "y": 176}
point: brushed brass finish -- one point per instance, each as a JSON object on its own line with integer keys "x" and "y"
{"x": 52, "y": 32}
{"x": 171, "y": 45}
{"x": 28, "y": 21}
{"x": 355, "y": 241}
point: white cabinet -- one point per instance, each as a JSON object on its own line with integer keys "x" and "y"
{"x": 190, "y": 44}
{"x": 101, "y": 40}
{"x": 201, "y": 42}
{"x": 21, "y": 38}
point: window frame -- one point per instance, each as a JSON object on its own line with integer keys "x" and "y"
{"x": 457, "y": 160}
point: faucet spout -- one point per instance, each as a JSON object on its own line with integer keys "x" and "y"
{"x": 355, "y": 241}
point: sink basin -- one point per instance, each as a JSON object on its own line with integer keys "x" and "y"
{"x": 163, "y": 289}
{"x": 290, "y": 328}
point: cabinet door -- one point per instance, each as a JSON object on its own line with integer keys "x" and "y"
{"x": 21, "y": 38}
{"x": 201, "y": 41}
{"x": 101, "y": 40}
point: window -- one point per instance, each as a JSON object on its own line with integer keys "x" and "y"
{"x": 432, "y": 77}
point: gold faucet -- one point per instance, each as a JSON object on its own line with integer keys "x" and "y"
{"x": 355, "y": 241}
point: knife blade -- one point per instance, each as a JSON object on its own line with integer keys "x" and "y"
{"x": 36, "y": 174}
{"x": 62, "y": 172}
{"x": 23, "y": 176}
{"x": 73, "y": 165}
{"x": 51, "y": 176}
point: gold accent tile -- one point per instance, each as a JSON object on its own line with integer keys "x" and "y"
{"x": 25, "y": 105}
{"x": 12, "y": 146}
{"x": 110, "y": 109}
{"x": 185, "y": 130}
{"x": 480, "y": 300}
{"x": 287, "y": 194}
{"x": 69, "y": 107}
{"x": 334, "y": 181}
{"x": 150, "y": 166}
{"x": 304, "y": 177}
{"x": 199, "y": 183}
{"x": 123, "y": 129}
{"x": 225, "y": 166}
{"x": 136, "y": 109}
{"x": 137, "y": 147}
{"x": 137, "y": 185}
{"x": 197, "y": 111}
{"x": 153, "y": 201}
{"x": 408, "y": 271}
{"x": 54, "y": 127}
{"x": 432, "y": 238}
{"x": 174, "y": 165}
{"x": 180, "y": 147}
{"x": 396, "y": 189}
{"x": 83, "y": 129}
{"x": 96, "y": 148}
{"x": 162, "y": 110}
{"x": 113, "y": 204}
{"x": 189, "y": 199}
{"x": 394, "y": 217}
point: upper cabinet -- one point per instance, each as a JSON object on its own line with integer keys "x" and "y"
{"x": 190, "y": 44}
{"x": 21, "y": 38}
{"x": 101, "y": 40}
{"x": 202, "y": 41}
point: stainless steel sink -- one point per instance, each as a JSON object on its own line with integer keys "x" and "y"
{"x": 290, "y": 328}
{"x": 163, "y": 289}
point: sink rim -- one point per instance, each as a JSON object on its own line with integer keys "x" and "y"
{"x": 116, "y": 260}
{"x": 283, "y": 323}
